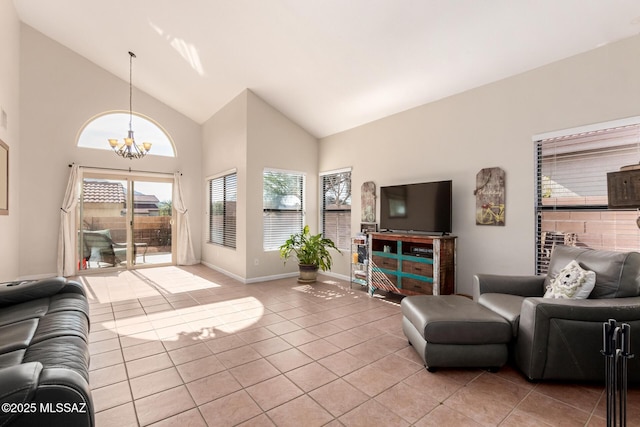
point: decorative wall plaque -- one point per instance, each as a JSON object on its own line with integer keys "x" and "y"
{"x": 490, "y": 207}
{"x": 368, "y": 202}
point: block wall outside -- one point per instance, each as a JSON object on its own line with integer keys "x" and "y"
{"x": 611, "y": 230}
{"x": 155, "y": 231}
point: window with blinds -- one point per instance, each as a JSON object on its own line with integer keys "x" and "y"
{"x": 223, "y": 192}
{"x": 336, "y": 207}
{"x": 571, "y": 178}
{"x": 283, "y": 206}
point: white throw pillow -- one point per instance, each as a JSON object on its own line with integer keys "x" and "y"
{"x": 572, "y": 282}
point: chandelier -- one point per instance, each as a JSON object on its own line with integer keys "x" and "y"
{"x": 129, "y": 149}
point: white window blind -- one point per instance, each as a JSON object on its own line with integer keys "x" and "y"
{"x": 283, "y": 206}
{"x": 571, "y": 176}
{"x": 336, "y": 208}
{"x": 223, "y": 192}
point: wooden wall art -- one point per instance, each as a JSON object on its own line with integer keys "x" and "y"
{"x": 489, "y": 192}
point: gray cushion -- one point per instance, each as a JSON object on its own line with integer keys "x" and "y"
{"x": 617, "y": 273}
{"x": 507, "y": 306}
{"x": 452, "y": 319}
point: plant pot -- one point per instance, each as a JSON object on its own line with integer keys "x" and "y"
{"x": 308, "y": 273}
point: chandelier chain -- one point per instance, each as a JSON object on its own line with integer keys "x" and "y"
{"x": 131, "y": 56}
{"x": 129, "y": 149}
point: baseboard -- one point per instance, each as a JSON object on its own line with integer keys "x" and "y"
{"x": 273, "y": 277}
{"x": 261, "y": 279}
{"x": 246, "y": 281}
{"x": 223, "y": 271}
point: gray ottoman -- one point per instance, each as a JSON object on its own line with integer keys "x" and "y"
{"x": 454, "y": 331}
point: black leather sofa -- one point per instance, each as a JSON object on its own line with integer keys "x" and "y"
{"x": 44, "y": 354}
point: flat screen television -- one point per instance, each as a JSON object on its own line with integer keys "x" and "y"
{"x": 423, "y": 207}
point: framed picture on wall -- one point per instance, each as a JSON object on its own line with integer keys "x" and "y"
{"x": 4, "y": 178}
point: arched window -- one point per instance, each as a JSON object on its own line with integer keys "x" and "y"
{"x": 99, "y": 129}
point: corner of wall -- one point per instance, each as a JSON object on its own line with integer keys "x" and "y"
{"x": 275, "y": 141}
{"x": 10, "y": 134}
{"x": 224, "y": 147}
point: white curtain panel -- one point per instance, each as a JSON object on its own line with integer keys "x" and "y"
{"x": 67, "y": 238}
{"x": 185, "y": 255}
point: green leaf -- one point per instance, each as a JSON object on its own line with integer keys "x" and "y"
{"x": 309, "y": 249}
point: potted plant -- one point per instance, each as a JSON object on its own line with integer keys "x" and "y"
{"x": 312, "y": 252}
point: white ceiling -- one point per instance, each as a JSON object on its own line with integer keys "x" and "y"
{"x": 329, "y": 65}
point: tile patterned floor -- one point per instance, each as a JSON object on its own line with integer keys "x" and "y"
{"x": 189, "y": 346}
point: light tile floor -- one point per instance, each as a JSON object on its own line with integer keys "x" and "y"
{"x": 190, "y": 346}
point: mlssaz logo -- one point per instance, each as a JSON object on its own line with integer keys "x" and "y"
{"x": 63, "y": 407}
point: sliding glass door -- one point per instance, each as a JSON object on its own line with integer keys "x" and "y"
{"x": 125, "y": 222}
{"x": 152, "y": 226}
{"x": 103, "y": 223}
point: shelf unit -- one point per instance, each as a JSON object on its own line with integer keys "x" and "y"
{"x": 412, "y": 264}
{"x": 359, "y": 261}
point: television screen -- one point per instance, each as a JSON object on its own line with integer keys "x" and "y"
{"x": 423, "y": 207}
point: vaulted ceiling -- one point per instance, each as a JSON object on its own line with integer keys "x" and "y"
{"x": 329, "y": 65}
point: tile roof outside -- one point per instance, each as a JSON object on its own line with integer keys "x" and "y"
{"x": 114, "y": 192}
{"x": 145, "y": 198}
{"x": 103, "y": 192}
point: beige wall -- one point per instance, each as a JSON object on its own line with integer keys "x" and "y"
{"x": 490, "y": 126}
{"x": 275, "y": 142}
{"x": 10, "y": 104}
{"x": 225, "y": 148}
{"x": 59, "y": 92}
{"x": 249, "y": 135}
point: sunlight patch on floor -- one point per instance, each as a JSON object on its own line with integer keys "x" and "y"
{"x": 200, "y": 321}
{"x": 143, "y": 283}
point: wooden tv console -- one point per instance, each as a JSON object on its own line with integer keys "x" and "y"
{"x": 412, "y": 264}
